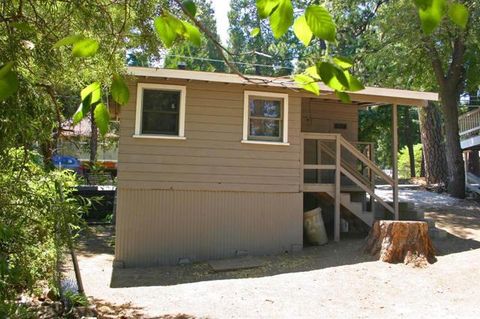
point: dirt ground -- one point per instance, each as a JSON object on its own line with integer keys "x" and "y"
{"x": 336, "y": 280}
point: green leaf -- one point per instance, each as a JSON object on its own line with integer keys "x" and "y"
{"x": 102, "y": 118}
{"x": 302, "y": 30}
{"x": 266, "y": 7}
{"x": 81, "y": 112}
{"x": 321, "y": 23}
{"x": 190, "y": 6}
{"x": 313, "y": 72}
{"x": 255, "y": 32}
{"x": 168, "y": 28}
{"x": 119, "y": 89}
{"x": 354, "y": 84}
{"x": 192, "y": 34}
{"x": 72, "y": 39}
{"x": 281, "y": 18}
{"x": 332, "y": 76}
{"x": 85, "y": 48}
{"x": 7, "y": 67}
{"x": 307, "y": 83}
{"x": 343, "y": 62}
{"x": 8, "y": 82}
{"x": 431, "y": 17}
{"x": 90, "y": 96}
{"x": 343, "y": 96}
{"x": 94, "y": 91}
{"x": 458, "y": 13}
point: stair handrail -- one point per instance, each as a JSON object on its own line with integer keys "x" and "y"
{"x": 359, "y": 155}
{"x": 348, "y": 166}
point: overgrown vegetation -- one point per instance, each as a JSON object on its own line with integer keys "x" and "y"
{"x": 35, "y": 224}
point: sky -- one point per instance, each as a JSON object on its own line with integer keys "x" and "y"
{"x": 221, "y": 8}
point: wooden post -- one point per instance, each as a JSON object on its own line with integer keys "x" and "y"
{"x": 302, "y": 162}
{"x": 395, "y": 160}
{"x": 337, "y": 188}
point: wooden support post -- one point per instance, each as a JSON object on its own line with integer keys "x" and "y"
{"x": 302, "y": 162}
{"x": 372, "y": 178}
{"x": 395, "y": 160}
{"x": 337, "y": 189}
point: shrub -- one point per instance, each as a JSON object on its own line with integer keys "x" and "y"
{"x": 37, "y": 212}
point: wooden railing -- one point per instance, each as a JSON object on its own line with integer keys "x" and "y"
{"x": 345, "y": 155}
{"x": 469, "y": 124}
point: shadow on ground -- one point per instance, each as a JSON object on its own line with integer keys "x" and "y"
{"x": 346, "y": 252}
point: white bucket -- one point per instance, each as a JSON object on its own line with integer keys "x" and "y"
{"x": 314, "y": 227}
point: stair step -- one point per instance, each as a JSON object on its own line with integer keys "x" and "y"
{"x": 437, "y": 233}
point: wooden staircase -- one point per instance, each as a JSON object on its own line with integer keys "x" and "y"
{"x": 352, "y": 165}
{"x": 356, "y": 208}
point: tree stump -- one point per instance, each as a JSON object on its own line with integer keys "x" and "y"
{"x": 396, "y": 241}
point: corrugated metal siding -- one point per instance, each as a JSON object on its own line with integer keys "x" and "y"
{"x": 157, "y": 227}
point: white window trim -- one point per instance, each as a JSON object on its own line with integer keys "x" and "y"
{"x": 139, "y": 110}
{"x": 246, "y": 98}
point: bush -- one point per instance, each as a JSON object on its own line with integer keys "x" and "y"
{"x": 404, "y": 161}
{"x": 37, "y": 211}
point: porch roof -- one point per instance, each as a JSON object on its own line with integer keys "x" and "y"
{"x": 368, "y": 96}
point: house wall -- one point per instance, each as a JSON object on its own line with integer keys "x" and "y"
{"x": 320, "y": 116}
{"x": 210, "y": 195}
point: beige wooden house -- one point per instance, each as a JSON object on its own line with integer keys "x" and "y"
{"x": 214, "y": 165}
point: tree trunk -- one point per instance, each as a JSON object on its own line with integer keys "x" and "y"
{"x": 451, "y": 84}
{"x": 456, "y": 169}
{"x": 422, "y": 165}
{"x": 409, "y": 140}
{"x": 434, "y": 159}
{"x": 396, "y": 241}
{"x": 93, "y": 138}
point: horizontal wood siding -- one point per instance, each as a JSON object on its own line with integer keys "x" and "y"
{"x": 158, "y": 227}
{"x": 212, "y": 155}
{"x": 320, "y": 116}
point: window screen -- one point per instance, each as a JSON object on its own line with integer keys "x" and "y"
{"x": 265, "y": 119}
{"x": 160, "y": 112}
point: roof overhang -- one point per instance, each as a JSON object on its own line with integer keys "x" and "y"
{"x": 368, "y": 96}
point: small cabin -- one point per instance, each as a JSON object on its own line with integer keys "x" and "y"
{"x": 214, "y": 165}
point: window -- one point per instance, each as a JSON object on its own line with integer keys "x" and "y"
{"x": 265, "y": 118}
{"x": 160, "y": 111}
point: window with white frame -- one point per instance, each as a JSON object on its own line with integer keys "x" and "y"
{"x": 160, "y": 111}
{"x": 265, "y": 117}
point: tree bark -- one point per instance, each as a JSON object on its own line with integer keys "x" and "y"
{"x": 434, "y": 159}
{"x": 456, "y": 169}
{"x": 451, "y": 84}
{"x": 396, "y": 241}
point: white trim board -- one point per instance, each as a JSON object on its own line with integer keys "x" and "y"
{"x": 246, "y": 97}
{"x": 139, "y": 108}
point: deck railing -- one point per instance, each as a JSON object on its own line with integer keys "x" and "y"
{"x": 469, "y": 124}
